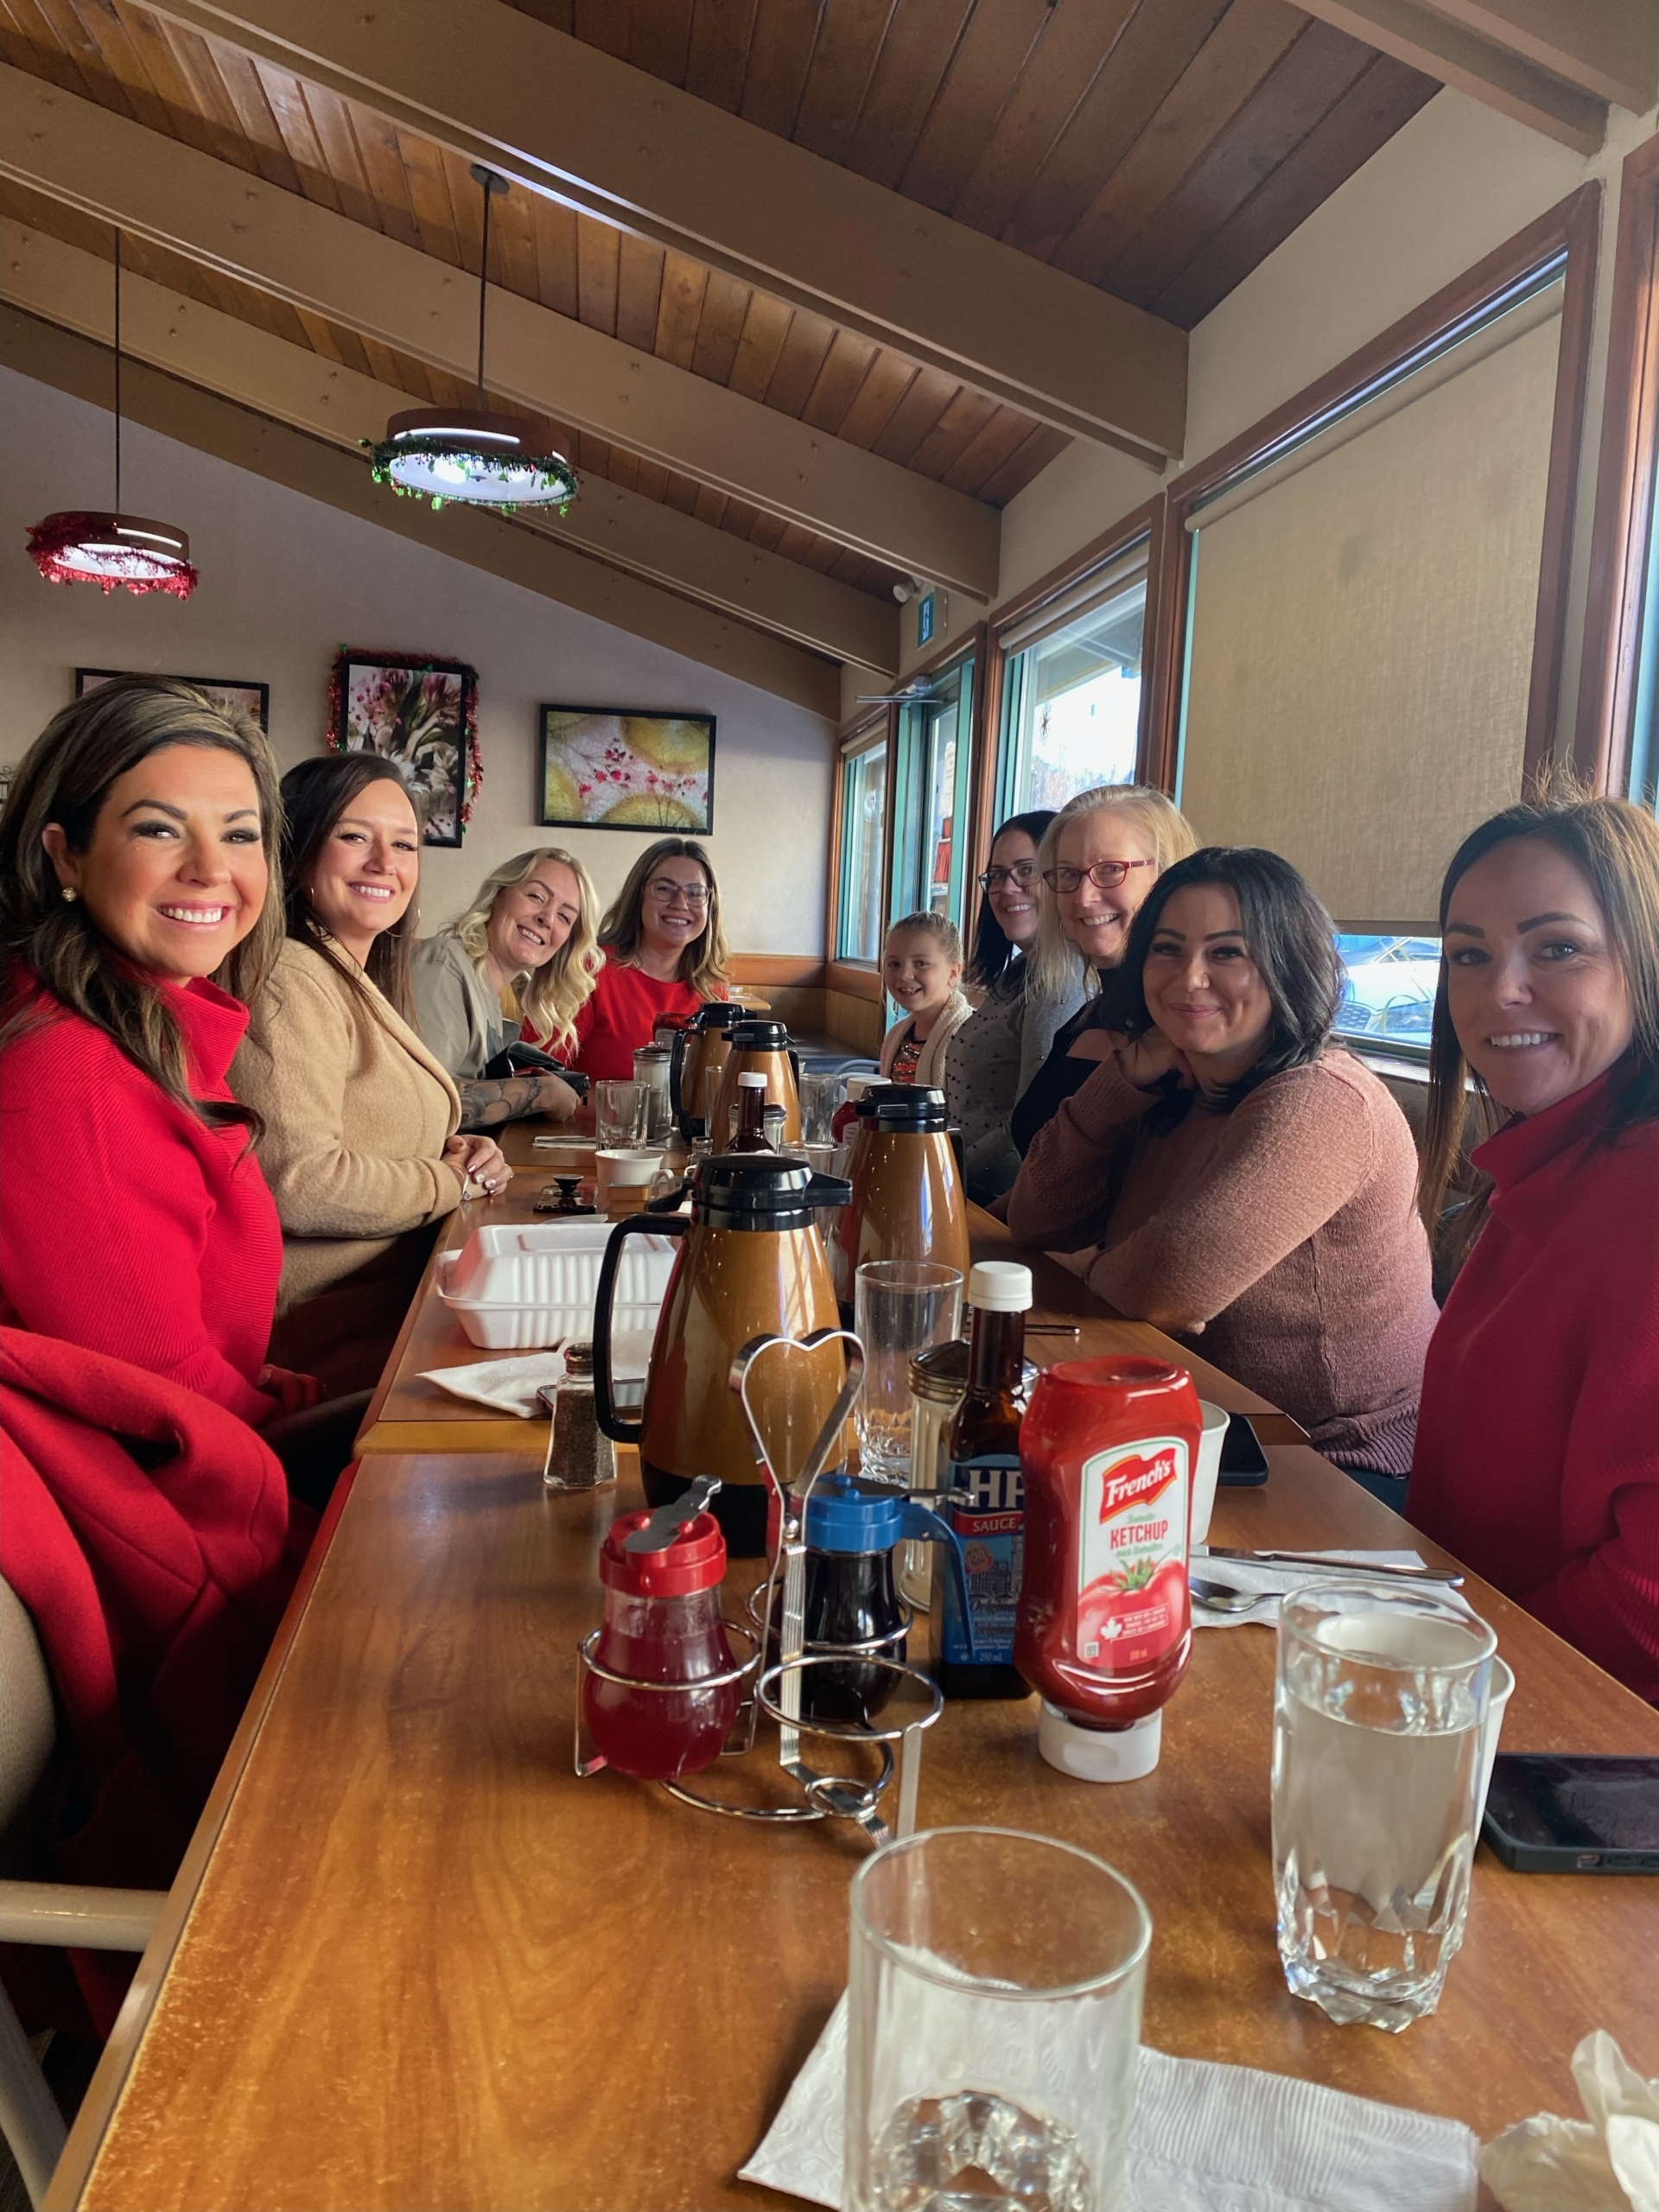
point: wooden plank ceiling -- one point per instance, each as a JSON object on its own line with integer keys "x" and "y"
{"x": 1160, "y": 148}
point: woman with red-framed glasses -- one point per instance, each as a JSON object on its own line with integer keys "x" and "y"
{"x": 1100, "y": 857}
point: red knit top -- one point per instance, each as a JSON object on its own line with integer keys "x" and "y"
{"x": 127, "y": 1225}
{"x": 617, "y": 1017}
{"x": 1537, "y": 1455}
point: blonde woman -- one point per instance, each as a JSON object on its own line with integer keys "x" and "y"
{"x": 664, "y": 953}
{"x": 1099, "y": 858}
{"x": 531, "y": 925}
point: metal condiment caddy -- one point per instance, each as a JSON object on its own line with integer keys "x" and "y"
{"x": 776, "y": 1689}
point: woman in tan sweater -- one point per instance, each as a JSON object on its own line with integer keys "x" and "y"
{"x": 1228, "y": 1176}
{"x": 359, "y": 1145}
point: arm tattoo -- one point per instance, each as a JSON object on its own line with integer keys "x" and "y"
{"x": 486, "y": 1105}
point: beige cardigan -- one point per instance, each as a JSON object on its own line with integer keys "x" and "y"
{"x": 357, "y": 1112}
{"x": 930, "y": 1067}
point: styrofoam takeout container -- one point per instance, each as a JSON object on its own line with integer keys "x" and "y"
{"x": 517, "y": 1288}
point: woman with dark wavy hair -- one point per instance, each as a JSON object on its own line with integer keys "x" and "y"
{"x": 1229, "y": 1176}
{"x": 1538, "y": 1447}
{"x": 137, "y": 849}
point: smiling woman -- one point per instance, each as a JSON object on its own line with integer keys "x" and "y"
{"x": 664, "y": 954}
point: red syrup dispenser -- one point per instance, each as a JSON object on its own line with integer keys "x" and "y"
{"x": 661, "y": 1574}
{"x": 1104, "y": 1627}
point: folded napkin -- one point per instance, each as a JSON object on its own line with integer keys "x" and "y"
{"x": 1607, "y": 2161}
{"x": 1276, "y": 1582}
{"x": 1204, "y": 2138}
{"x": 508, "y": 1386}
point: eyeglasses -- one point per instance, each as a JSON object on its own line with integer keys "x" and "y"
{"x": 1105, "y": 875}
{"x": 1022, "y": 872}
{"x": 664, "y": 888}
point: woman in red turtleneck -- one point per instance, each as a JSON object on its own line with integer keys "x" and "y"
{"x": 134, "y": 855}
{"x": 1537, "y": 1455}
{"x": 664, "y": 953}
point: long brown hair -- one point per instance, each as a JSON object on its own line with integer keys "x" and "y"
{"x": 65, "y": 778}
{"x": 621, "y": 930}
{"x": 1615, "y": 846}
{"x": 315, "y": 796}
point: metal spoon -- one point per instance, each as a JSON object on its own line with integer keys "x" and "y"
{"x": 1225, "y": 1597}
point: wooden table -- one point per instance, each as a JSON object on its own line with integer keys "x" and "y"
{"x": 415, "y": 1962}
{"x": 408, "y": 1413}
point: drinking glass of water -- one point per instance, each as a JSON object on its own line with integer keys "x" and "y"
{"x": 900, "y": 1308}
{"x": 994, "y": 2025}
{"x": 620, "y": 1110}
{"x": 1378, "y": 1711}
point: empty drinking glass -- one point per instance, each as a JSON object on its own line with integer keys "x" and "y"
{"x": 900, "y": 1308}
{"x": 1378, "y": 1711}
{"x": 620, "y": 1114}
{"x": 820, "y": 1095}
{"x": 993, "y": 2025}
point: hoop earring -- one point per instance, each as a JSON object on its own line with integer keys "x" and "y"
{"x": 69, "y": 894}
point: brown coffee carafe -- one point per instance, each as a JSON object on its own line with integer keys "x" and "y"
{"x": 757, "y": 1048}
{"x": 907, "y": 1202}
{"x": 750, "y": 1263}
{"x": 698, "y": 1045}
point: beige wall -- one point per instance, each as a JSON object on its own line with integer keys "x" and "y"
{"x": 285, "y": 582}
{"x": 1454, "y": 184}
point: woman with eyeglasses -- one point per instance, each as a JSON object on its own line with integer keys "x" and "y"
{"x": 1228, "y": 1176}
{"x": 1099, "y": 858}
{"x": 1006, "y": 1039}
{"x": 664, "y": 953}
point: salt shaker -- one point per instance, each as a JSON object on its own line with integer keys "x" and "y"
{"x": 579, "y": 1455}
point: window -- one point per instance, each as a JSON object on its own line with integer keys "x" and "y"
{"x": 860, "y": 921}
{"x": 934, "y": 796}
{"x": 1071, "y": 692}
{"x": 1388, "y": 992}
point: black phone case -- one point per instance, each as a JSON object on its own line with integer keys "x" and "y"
{"x": 1243, "y": 1463}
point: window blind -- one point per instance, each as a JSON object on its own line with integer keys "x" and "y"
{"x": 1360, "y": 628}
{"x": 1081, "y": 598}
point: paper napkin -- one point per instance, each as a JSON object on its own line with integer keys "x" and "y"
{"x": 1204, "y": 2138}
{"x": 508, "y": 1386}
{"x": 1276, "y": 1582}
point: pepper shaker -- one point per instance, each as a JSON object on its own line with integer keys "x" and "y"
{"x": 579, "y": 1455}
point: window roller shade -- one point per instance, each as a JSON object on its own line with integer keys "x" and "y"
{"x": 1360, "y": 635}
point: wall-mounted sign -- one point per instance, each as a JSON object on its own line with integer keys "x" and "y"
{"x": 930, "y": 617}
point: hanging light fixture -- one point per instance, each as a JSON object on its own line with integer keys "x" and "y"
{"x": 467, "y": 453}
{"x": 139, "y": 555}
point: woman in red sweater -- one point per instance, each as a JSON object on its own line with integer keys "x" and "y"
{"x": 135, "y": 854}
{"x": 664, "y": 953}
{"x": 1537, "y": 1456}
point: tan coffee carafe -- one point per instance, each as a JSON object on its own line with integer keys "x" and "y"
{"x": 699, "y": 1046}
{"x": 757, "y": 1048}
{"x": 751, "y": 1263}
{"x": 907, "y": 1202}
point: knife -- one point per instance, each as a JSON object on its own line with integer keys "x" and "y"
{"x": 1393, "y": 1573}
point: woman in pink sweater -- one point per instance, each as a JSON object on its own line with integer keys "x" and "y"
{"x": 1538, "y": 1451}
{"x": 1227, "y": 1176}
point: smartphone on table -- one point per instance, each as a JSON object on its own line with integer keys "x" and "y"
{"x": 1563, "y": 1813}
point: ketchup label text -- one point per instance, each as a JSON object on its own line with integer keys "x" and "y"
{"x": 1132, "y": 1596}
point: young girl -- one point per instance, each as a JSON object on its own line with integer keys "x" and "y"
{"x": 923, "y": 968}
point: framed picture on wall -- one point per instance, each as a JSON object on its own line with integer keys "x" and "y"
{"x": 250, "y": 699}
{"x": 626, "y": 768}
{"x": 421, "y": 713}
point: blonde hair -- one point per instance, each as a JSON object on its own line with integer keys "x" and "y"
{"x": 1056, "y": 967}
{"x": 926, "y": 923}
{"x": 703, "y": 963}
{"x": 556, "y": 992}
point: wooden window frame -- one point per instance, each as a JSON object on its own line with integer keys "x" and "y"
{"x": 971, "y": 645}
{"x": 1623, "y": 516}
{"x": 1145, "y": 522}
{"x": 1572, "y": 227}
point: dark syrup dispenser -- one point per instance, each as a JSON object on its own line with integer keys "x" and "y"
{"x": 852, "y": 1597}
{"x": 750, "y": 1263}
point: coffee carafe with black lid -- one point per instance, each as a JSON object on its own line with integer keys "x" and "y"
{"x": 750, "y": 1263}
{"x": 908, "y": 1201}
{"x": 698, "y": 1045}
{"x": 758, "y": 1047}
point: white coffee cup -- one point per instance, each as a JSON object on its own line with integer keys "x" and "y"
{"x": 1208, "y": 1469}
{"x": 626, "y": 1168}
{"x": 1497, "y": 1697}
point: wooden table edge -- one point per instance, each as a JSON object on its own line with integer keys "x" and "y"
{"x": 104, "y": 2093}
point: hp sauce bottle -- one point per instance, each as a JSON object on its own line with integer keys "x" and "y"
{"x": 984, "y": 1500}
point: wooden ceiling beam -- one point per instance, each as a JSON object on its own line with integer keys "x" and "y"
{"x": 116, "y": 169}
{"x": 567, "y": 119}
{"x": 502, "y": 548}
{"x": 1461, "y": 45}
{"x": 1608, "y": 48}
{"x": 257, "y": 369}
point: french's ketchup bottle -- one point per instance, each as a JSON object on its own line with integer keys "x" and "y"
{"x": 982, "y": 1500}
{"x": 1104, "y": 1629}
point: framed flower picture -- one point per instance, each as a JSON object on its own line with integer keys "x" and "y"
{"x": 250, "y": 699}
{"x": 421, "y": 713}
{"x": 625, "y": 768}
